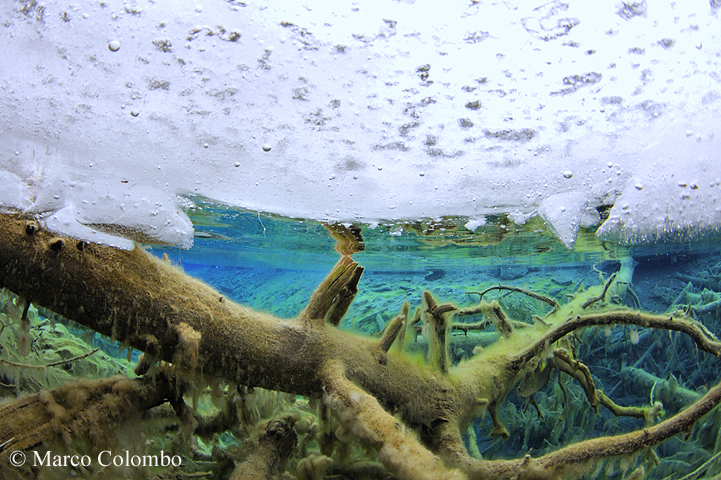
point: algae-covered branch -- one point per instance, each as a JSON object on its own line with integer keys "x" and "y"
{"x": 305, "y": 398}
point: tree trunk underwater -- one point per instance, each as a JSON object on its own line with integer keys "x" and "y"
{"x": 410, "y": 414}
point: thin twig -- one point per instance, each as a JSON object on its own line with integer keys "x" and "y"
{"x": 552, "y": 302}
{"x": 565, "y": 402}
{"x": 470, "y": 326}
{"x": 5, "y": 444}
{"x": 464, "y": 327}
{"x": 591, "y": 301}
{"x": 54, "y": 364}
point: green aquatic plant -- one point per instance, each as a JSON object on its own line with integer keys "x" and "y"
{"x": 370, "y": 407}
{"x": 38, "y": 353}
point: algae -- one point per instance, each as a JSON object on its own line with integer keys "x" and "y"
{"x": 231, "y": 390}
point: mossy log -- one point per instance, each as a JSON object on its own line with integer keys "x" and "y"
{"x": 674, "y": 396}
{"x": 382, "y": 399}
{"x": 79, "y": 409}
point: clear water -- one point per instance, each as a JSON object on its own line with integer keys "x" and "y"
{"x": 255, "y": 259}
{"x": 274, "y": 264}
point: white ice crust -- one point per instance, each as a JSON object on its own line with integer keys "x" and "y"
{"x": 113, "y": 112}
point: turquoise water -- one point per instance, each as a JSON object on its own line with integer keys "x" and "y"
{"x": 274, "y": 264}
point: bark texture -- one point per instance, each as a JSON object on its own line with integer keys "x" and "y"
{"x": 378, "y": 393}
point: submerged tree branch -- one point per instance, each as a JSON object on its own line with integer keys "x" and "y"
{"x": 362, "y": 415}
{"x": 74, "y": 408}
{"x": 705, "y": 340}
{"x": 565, "y": 462}
{"x": 272, "y": 445}
{"x": 593, "y": 300}
{"x": 53, "y": 364}
{"x": 378, "y": 393}
{"x": 550, "y": 301}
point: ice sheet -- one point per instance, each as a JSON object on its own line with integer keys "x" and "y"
{"x": 362, "y": 111}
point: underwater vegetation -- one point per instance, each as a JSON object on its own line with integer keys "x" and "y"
{"x": 504, "y": 382}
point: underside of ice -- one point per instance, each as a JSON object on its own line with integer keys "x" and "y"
{"x": 674, "y": 195}
{"x": 565, "y": 213}
{"x": 113, "y": 112}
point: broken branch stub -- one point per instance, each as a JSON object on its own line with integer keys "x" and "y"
{"x": 331, "y": 299}
{"x": 437, "y": 321}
